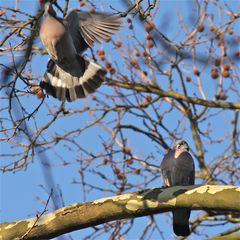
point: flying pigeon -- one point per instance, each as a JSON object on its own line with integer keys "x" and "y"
{"x": 69, "y": 75}
{"x": 178, "y": 170}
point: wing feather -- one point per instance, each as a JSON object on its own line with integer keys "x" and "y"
{"x": 87, "y": 28}
{"x": 178, "y": 171}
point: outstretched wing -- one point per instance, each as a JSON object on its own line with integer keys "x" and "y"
{"x": 87, "y": 28}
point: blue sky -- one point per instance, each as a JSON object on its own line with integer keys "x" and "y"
{"x": 22, "y": 192}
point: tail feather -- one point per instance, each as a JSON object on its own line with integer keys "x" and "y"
{"x": 63, "y": 86}
{"x": 61, "y": 93}
{"x": 181, "y": 222}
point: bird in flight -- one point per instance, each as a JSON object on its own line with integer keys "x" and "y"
{"x": 69, "y": 75}
{"x": 178, "y": 170}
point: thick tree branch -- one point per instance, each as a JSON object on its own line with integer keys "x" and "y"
{"x": 82, "y": 215}
{"x": 235, "y": 236}
{"x": 139, "y": 87}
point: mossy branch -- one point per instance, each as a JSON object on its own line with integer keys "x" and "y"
{"x": 235, "y": 236}
{"x": 131, "y": 205}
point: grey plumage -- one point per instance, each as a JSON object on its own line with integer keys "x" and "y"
{"x": 69, "y": 75}
{"x": 178, "y": 170}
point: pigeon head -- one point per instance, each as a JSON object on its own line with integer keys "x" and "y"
{"x": 181, "y": 145}
{"x": 47, "y": 7}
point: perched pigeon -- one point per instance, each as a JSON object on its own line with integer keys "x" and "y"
{"x": 69, "y": 75}
{"x": 178, "y": 170}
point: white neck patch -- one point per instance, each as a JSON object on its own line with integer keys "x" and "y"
{"x": 178, "y": 152}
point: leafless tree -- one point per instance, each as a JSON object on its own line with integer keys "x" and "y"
{"x": 171, "y": 75}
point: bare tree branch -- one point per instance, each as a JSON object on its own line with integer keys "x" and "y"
{"x": 172, "y": 94}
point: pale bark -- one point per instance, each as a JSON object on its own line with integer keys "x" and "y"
{"x": 151, "y": 201}
{"x": 235, "y": 236}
